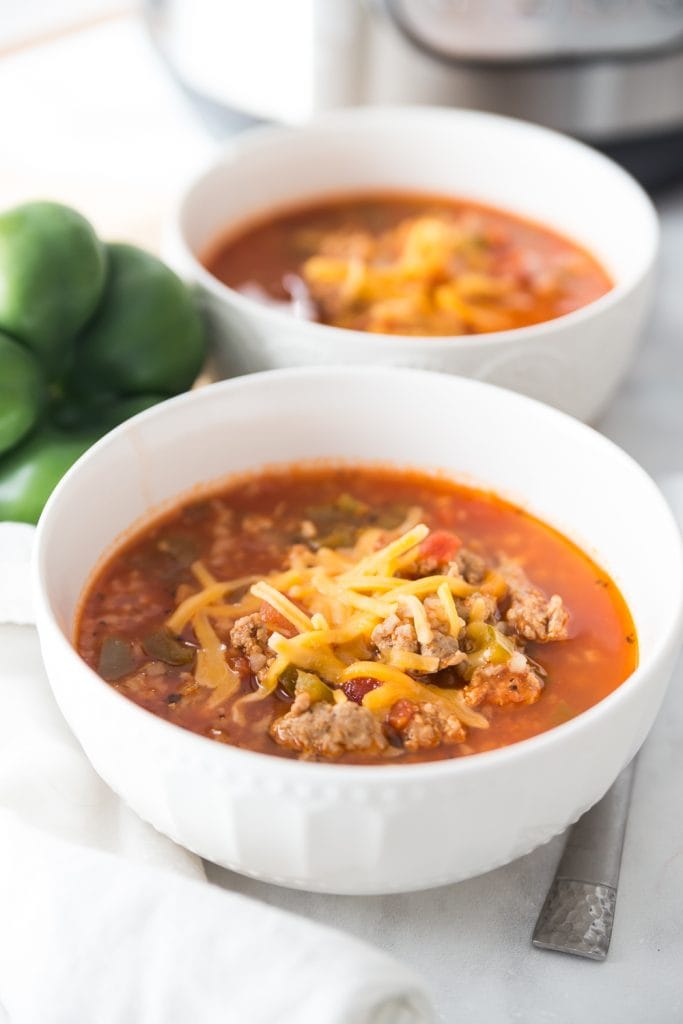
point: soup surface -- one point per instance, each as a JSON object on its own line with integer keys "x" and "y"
{"x": 409, "y": 264}
{"x": 356, "y": 614}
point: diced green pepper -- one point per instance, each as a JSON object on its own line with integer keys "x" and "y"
{"x": 351, "y": 506}
{"x": 116, "y": 659}
{"x": 164, "y": 646}
{"x": 287, "y": 680}
{"x": 181, "y": 548}
{"x": 391, "y": 516}
{"x": 491, "y": 647}
{"x": 342, "y": 536}
{"x": 317, "y": 690}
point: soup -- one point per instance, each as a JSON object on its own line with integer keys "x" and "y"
{"x": 356, "y": 614}
{"x": 409, "y": 264}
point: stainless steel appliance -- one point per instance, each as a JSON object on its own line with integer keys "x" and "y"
{"x": 609, "y": 71}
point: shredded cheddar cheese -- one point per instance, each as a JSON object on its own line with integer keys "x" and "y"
{"x": 202, "y": 574}
{"x": 376, "y": 670}
{"x": 208, "y": 596}
{"x": 336, "y": 600}
{"x": 416, "y": 610}
{"x": 430, "y": 584}
{"x": 393, "y": 689}
{"x": 381, "y": 561}
{"x": 347, "y": 596}
{"x": 410, "y": 662}
{"x": 373, "y": 583}
{"x": 212, "y": 669}
{"x": 276, "y": 669}
{"x": 318, "y": 659}
{"x": 232, "y": 611}
{"x": 455, "y": 623}
{"x": 283, "y": 605}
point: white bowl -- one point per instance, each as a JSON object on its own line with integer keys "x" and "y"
{"x": 574, "y": 362}
{"x": 348, "y": 828}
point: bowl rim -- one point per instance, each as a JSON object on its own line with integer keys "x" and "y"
{"x": 663, "y": 648}
{"x": 262, "y": 136}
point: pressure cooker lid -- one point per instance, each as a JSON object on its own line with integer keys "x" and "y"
{"x": 540, "y": 31}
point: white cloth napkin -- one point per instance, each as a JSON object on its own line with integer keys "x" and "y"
{"x": 105, "y": 921}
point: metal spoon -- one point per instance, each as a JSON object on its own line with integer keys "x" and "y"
{"x": 578, "y": 912}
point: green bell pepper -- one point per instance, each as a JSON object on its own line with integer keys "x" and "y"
{"x": 52, "y": 272}
{"x": 313, "y": 685}
{"x": 29, "y": 473}
{"x": 22, "y": 392}
{"x": 491, "y": 646}
{"x": 147, "y": 335}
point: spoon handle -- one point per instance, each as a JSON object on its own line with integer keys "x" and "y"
{"x": 578, "y": 912}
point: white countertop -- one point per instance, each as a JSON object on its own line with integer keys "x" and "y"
{"x": 646, "y": 418}
{"x": 100, "y": 126}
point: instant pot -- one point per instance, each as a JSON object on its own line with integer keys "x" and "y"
{"x": 608, "y": 71}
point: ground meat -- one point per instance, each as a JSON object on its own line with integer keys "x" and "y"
{"x": 422, "y": 726}
{"x": 426, "y": 566}
{"x": 478, "y": 607}
{"x": 444, "y": 647}
{"x": 470, "y": 566}
{"x": 250, "y": 636}
{"x": 531, "y": 614}
{"x": 396, "y": 633}
{"x": 328, "y": 730}
{"x": 148, "y": 682}
{"x": 512, "y": 683}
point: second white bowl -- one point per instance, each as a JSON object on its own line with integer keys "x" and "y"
{"x": 574, "y": 362}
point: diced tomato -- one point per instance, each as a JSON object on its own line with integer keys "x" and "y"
{"x": 355, "y": 689}
{"x": 440, "y": 547}
{"x": 401, "y": 713}
{"x": 274, "y": 620}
